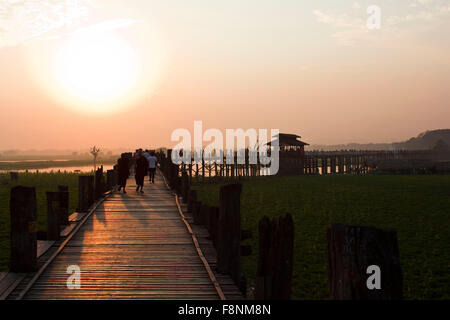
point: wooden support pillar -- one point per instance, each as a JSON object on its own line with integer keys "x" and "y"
{"x": 14, "y": 176}
{"x": 307, "y": 165}
{"x": 115, "y": 175}
{"x": 53, "y": 215}
{"x": 324, "y": 165}
{"x": 110, "y": 180}
{"x": 275, "y": 259}
{"x": 99, "y": 183}
{"x": 333, "y": 164}
{"x": 184, "y": 186}
{"x": 196, "y": 211}
{"x": 213, "y": 225}
{"x": 192, "y": 197}
{"x": 64, "y": 203}
{"x": 341, "y": 164}
{"x": 85, "y": 192}
{"x": 203, "y": 168}
{"x": 348, "y": 164}
{"x": 204, "y": 215}
{"x": 316, "y": 165}
{"x": 352, "y": 252}
{"x": 229, "y": 250}
{"x": 23, "y": 215}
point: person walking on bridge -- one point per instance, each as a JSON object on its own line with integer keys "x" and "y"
{"x": 141, "y": 167}
{"x": 123, "y": 168}
{"x": 152, "y": 161}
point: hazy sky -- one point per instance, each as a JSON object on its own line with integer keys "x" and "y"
{"x": 306, "y": 67}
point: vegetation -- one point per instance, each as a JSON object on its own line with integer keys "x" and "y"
{"x": 416, "y": 206}
{"x": 42, "y": 182}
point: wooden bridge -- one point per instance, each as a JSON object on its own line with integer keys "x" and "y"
{"x": 132, "y": 246}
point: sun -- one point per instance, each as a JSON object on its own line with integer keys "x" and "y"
{"x": 96, "y": 73}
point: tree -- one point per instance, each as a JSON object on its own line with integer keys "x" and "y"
{"x": 95, "y": 151}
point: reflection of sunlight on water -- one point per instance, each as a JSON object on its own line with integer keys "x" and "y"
{"x": 63, "y": 169}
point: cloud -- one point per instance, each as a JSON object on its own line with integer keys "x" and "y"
{"x": 356, "y": 5}
{"x": 25, "y": 20}
{"x": 425, "y": 1}
{"x": 349, "y": 29}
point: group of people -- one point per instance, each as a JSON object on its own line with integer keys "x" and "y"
{"x": 144, "y": 163}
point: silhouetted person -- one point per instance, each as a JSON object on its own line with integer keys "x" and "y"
{"x": 123, "y": 168}
{"x": 152, "y": 161}
{"x": 141, "y": 167}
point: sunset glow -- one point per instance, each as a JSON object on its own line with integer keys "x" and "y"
{"x": 311, "y": 68}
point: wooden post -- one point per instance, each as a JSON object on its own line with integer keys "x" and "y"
{"x": 229, "y": 249}
{"x": 351, "y": 251}
{"x": 213, "y": 225}
{"x": 203, "y": 167}
{"x": 115, "y": 175}
{"x": 204, "y": 215}
{"x": 99, "y": 183}
{"x": 324, "y": 165}
{"x": 64, "y": 202}
{"x": 191, "y": 199}
{"x": 14, "y": 176}
{"x": 53, "y": 215}
{"x": 85, "y": 192}
{"x": 23, "y": 214}
{"x": 348, "y": 164}
{"x": 110, "y": 179}
{"x": 196, "y": 211}
{"x": 196, "y": 170}
{"x": 178, "y": 185}
{"x": 341, "y": 164}
{"x": 275, "y": 258}
{"x": 333, "y": 164}
{"x": 185, "y": 186}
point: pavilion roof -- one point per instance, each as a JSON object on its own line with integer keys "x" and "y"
{"x": 288, "y": 140}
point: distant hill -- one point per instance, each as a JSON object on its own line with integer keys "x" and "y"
{"x": 439, "y": 139}
{"x": 426, "y": 140}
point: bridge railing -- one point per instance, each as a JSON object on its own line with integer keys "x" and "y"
{"x": 23, "y": 215}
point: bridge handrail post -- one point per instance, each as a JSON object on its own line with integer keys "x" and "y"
{"x": 64, "y": 202}
{"x": 53, "y": 215}
{"x": 351, "y": 250}
{"x": 23, "y": 213}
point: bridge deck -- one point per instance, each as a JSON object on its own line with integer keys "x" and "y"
{"x": 134, "y": 246}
